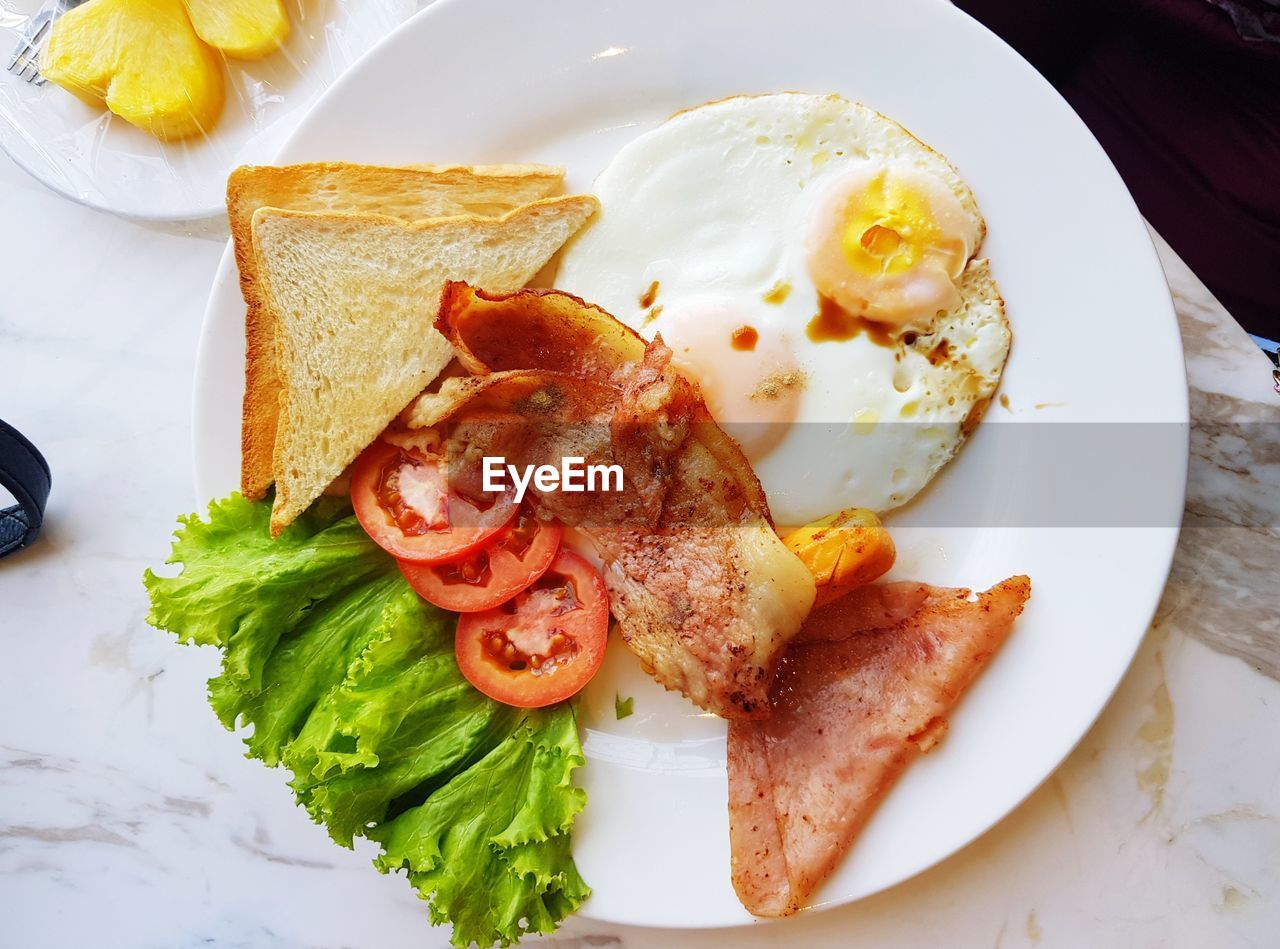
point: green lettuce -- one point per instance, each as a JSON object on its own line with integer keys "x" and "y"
{"x": 348, "y": 679}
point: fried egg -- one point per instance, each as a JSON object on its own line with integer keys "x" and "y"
{"x": 812, "y": 267}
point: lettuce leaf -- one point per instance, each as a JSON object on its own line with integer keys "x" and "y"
{"x": 348, "y": 679}
{"x": 511, "y": 859}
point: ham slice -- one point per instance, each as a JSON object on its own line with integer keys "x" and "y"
{"x": 873, "y": 607}
{"x": 866, "y": 687}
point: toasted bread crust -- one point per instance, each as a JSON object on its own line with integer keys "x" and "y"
{"x": 418, "y": 191}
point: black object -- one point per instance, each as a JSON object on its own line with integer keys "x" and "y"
{"x": 1185, "y": 97}
{"x": 25, "y": 473}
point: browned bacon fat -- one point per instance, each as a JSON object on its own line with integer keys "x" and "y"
{"x": 705, "y": 593}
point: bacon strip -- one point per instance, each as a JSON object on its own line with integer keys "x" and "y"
{"x": 854, "y": 702}
{"x": 705, "y": 592}
{"x": 536, "y": 329}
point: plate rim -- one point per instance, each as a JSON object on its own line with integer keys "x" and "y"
{"x": 195, "y": 216}
{"x": 1163, "y": 549}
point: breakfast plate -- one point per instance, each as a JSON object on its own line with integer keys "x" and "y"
{"x": 1075, "y": 477}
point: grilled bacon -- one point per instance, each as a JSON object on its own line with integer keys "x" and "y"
{"x": 705, "y": 593}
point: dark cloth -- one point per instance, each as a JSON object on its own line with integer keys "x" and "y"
{"x": 1185, "y": 97}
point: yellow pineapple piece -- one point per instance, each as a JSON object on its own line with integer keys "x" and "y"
{"x": 843, "y": 550}
{"x": 142, "y": 60}
{"x": 244, "y": 29}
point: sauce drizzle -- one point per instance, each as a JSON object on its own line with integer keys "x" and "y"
{"x": 744, "y": 338}
{"x": 835, "y": 324}
{"x": 940, "y": 353}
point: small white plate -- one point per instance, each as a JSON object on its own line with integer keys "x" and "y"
{"x": 1096, "y": 343}
{"x": 98, "y": 159}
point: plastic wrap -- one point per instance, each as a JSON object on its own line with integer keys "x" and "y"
{"x": 92, "y": 156}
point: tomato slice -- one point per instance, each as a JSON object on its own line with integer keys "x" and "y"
{"x": 545, "y": 644}
{"x": 405, "y": 502}
{"x": 494, "y": 573}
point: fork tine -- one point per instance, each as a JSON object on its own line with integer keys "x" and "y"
{"x": 22, "y": 64}
{"x": 25, "y": 52}
{"x": 39, "y": 33}
{"x": 33, "y": 56}
{"x": 19, "y": 52}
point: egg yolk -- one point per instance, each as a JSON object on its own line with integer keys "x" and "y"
{"x": 887, "y": 243}
{"x": 745, "y": 367}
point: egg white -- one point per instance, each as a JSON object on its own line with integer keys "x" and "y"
{"x": 712, "y": 206}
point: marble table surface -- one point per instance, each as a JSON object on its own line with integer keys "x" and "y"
{"x": 129, "y": 818}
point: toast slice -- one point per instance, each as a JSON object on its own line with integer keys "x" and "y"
{"x": 410, "y": 193}
{"x": 353, "y": 298}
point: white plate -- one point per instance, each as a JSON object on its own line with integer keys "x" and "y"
{"x": 98, "y": 159}
{"x": 1095, "y": 335}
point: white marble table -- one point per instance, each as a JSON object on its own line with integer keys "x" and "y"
{"x": 128, "y": 817}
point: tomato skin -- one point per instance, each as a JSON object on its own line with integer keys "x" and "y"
{"x": 538, "y": 615}
{"x": 507, "y": 567}
{"x": 466, "y": 527}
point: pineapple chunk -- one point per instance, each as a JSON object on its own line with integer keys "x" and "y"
{"x": 142, "y": 60}
{"x": 243, "y": 29}
{"x": 842, "y": 551}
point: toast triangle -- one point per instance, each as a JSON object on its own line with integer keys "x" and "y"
{"x": 410, "y": 193}
{"x": 353, "y": 298}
